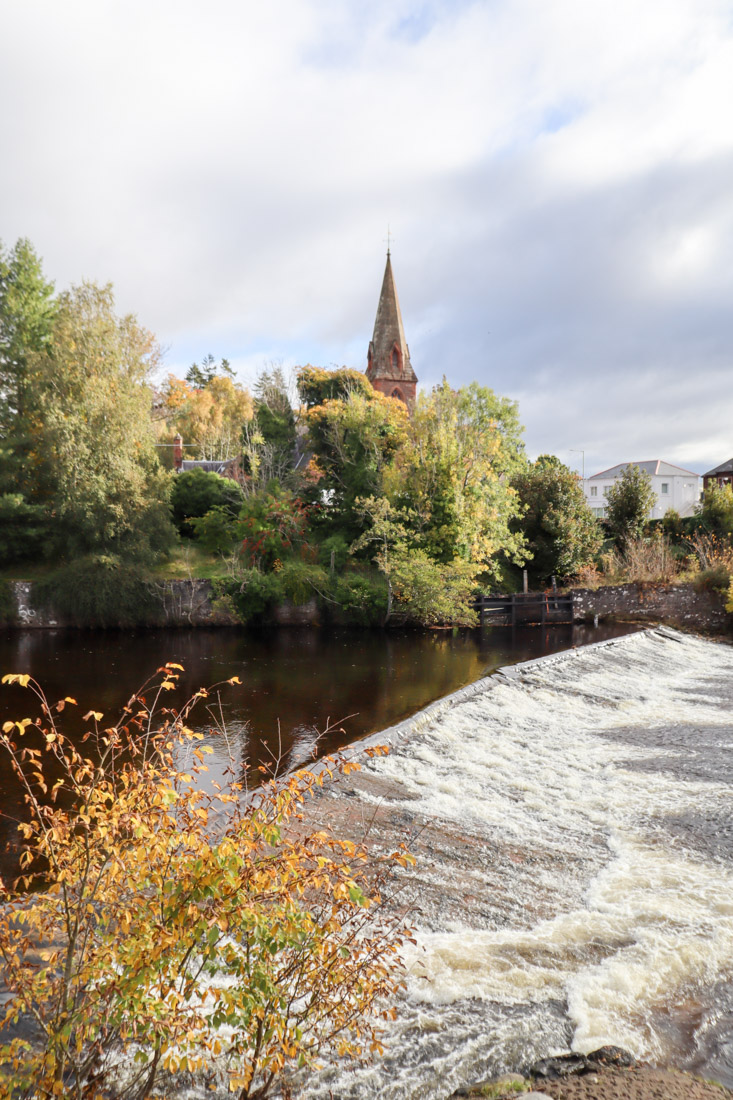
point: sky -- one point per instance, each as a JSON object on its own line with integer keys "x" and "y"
{"x": 556, "y": 176}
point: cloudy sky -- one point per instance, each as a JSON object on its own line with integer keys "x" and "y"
{"x": 557, "y": 176}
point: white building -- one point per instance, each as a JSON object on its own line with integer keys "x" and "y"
{"x": 673, "y": 488}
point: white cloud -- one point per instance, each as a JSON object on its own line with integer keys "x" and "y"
{"x": 556, "y": 175}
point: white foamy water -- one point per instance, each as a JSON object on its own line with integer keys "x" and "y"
{"x": 595, "y": 789}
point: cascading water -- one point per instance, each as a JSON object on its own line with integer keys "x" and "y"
{"x": 575, "y": 879}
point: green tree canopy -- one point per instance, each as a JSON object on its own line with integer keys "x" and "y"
{"x": 27, "y": 309}
{"x": 454, "y": 473}
{"x": 419, "y": 589}
{"x": 716, "y": 510}
{"x": 561, "y": 531}
{"x": 629, "y": 502}
{"x": 355, "y": 439}
{"x": 316, "y": 385}
{"x": 93, "y": 454}
{"x": 196, "y": 492}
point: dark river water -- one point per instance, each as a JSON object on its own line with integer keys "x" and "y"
{"x": 293, "y": 680}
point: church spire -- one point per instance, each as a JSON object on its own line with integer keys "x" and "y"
{"x": 388, "y": 361}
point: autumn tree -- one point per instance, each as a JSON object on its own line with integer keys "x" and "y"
{"x": 562, "y": 533}
{"x": 355, "y": 438}
{"x": 160, "y": 929}
{"x": 316, "y": 385}
{"x": 629, "y": 502}
{"x": 210, "y": 419}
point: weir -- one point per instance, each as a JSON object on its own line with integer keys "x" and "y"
{"x": 572, "y": 820}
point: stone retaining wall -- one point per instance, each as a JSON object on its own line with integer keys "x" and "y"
{"x": 677, "y": 604}
{"x": 189, "y": 603}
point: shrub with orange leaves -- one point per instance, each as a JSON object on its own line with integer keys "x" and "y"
{"x": 158, "y": 930}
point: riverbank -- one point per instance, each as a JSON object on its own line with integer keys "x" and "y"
{"x": 571, "y": 819}
{"x": 195, "y": 602}
{"x": 606, "y": 1074}
{"x": 608, "y": 1083}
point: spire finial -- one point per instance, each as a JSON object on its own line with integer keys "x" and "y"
{"x": 389, "y": 238}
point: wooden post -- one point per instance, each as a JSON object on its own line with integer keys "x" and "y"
{"x": 525, "y": 582}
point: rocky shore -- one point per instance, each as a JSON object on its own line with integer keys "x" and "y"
{"x": 605, "y": 1074}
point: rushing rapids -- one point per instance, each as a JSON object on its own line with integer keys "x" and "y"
{"x": 573, "y": 823}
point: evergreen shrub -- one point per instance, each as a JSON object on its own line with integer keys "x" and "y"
{"x": 196, "y": 492}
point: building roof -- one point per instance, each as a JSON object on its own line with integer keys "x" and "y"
{"x": 724, "y": 468}
{"x": 656, "y": 467}
{"x": 214, "y": 466}
{"x": 389, "y": 336}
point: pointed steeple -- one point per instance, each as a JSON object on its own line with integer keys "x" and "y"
{"x": 388, "y": 361}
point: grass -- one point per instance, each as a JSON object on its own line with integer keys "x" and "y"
{"x": 190, "y": 562}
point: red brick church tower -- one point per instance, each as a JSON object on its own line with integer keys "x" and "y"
{"x": 388, "y": 361}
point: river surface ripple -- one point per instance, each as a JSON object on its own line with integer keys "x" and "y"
{"x": 572, "y": 819}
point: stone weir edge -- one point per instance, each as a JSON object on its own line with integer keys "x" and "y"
{"x": 408, "y": 727}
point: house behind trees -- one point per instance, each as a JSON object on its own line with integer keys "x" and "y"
{"x": 674, "y": 487}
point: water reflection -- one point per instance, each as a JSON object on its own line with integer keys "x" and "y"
{"x": 292, "y": 679}
{"x": 294, "y": 682}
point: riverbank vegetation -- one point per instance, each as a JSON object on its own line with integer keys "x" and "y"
{"x": 164, "y": 927}
{"x": 331, "y": 490}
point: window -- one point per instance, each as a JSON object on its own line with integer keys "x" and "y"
{"x": 599, "y": 513}
{"x": 665, "y": 488}
{"x": 605, "y": 490}
{"x": 594, "y": 490}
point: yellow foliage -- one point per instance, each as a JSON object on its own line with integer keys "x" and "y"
{"x": 177, "y": 929}
{"x": 210, "y": 420}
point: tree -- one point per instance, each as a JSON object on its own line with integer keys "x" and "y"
{"x": 201, "y": 376}
{"x": 196, "y": 492}
{"x": 269, "y": 439}
{"x": 210, "y": 419}
{"x": 453, "y": 472}
{"x": 27, "y": 310}
{"x": 716, "y": 510}
{"x": 628, "y": 504}
{"x": 93, "y": 458}
{"x": 316, "y": 385}
{"x": 355, "y": 439}
{"x": 424, "y": 591}
{"x": 561, "y": 531}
